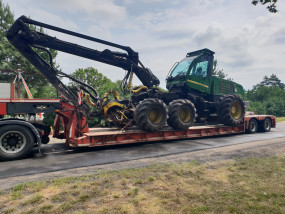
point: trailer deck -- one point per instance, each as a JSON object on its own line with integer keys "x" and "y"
{"x": 114, "y": 136}
{"x": 104, "y": 137}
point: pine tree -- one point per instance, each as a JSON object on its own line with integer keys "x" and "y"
{"x": 272, "y": 80}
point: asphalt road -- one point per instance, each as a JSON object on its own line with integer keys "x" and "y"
{"x": 56, "y": 157}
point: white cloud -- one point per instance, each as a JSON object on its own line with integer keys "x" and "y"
{"x": 46, "y": 17}
{"x": 39, "y": 14}
{"x": 99, "y": 32}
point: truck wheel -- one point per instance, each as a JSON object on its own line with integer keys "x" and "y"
{"x": 15, "y": 142}
{"x": 266, "y": 125}
{"x": 252, "y": 126}
{"x": 232, "y": 110}
{"x": 150, "y": 114}
{"x": 181, "y": 114}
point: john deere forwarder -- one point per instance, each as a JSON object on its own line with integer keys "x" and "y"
{"x": 194, "y": 93}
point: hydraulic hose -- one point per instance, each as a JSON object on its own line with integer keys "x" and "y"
{"x": 130, "y": 85}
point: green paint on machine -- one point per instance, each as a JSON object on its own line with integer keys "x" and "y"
{"x": 195, "y": 71}
{"x": 215, "y": 99}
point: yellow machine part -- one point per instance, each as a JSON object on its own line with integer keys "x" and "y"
{"x": 130, "y": 85}
{"x": 106, "y": 106}
{"x": 87, "y": 97}
{"x": 116, "y": 94}
{"x": 111, "y": 105}
{"x": 236, "y": 110}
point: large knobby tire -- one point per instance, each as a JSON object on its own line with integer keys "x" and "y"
{"x": 266, "y": 125}
{"x": 16, "y": 142}
{"x": 232, "y": 110}
{"x": 150, "y": 114}
{"x": 181, "y": 114}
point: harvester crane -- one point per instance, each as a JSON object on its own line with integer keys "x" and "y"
{"x": 25, "y": 39}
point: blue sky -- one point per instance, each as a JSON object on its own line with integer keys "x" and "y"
{"x": 249, "y": 42}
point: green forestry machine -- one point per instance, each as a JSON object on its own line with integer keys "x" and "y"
{"x": 194, "y": 95}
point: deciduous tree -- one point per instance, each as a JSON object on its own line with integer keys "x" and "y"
{"x": 11, "y": 59}
{"x": 97, "y": 80}
{"x": 268, "y": 97}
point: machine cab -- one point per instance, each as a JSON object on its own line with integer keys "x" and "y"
{"x": 194, "y": 70}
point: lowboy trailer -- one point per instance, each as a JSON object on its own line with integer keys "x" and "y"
{"x": 113, "y": 136}
{"x": 19, "y": 137}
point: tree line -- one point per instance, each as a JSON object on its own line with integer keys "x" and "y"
{"x": 268, "y": 97}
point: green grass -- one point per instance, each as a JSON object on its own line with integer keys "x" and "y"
{"x": 254, "y": 185}
{"x": 280, "y": 119}
{"x": 34, "y": 199}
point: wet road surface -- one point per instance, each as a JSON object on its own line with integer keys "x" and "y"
{"x": 57, "y": 157}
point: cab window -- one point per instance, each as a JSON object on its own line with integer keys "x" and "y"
{"x": 182, "y": 67}
{"x": 200, "y": 69}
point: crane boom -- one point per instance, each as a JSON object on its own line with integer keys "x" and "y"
{"x": 24, "y": 39}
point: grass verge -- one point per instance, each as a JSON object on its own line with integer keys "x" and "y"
{"x": 254, "y": 185}
{"x": 280, "y": 119}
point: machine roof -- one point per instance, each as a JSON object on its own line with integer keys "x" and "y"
{"x": 199, "y": 52}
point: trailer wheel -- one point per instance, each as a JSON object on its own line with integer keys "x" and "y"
{"x": 15, "y": 142}
{"x": 232, "y": 110}
{"x": 181, "y": 114}
{"x": 266, "y": 125}
{"x": 252, "y": 126}
{"x": 150, "y": 114}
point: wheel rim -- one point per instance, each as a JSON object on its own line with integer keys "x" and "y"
{"x": 12, "y": 142}
{"x": 185, "y": 114}
{"x": 155, "y": 115}
{"x": 252, "y": 126}
{"x": 266, "y": 125}
{"x": 236, "y": 110}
